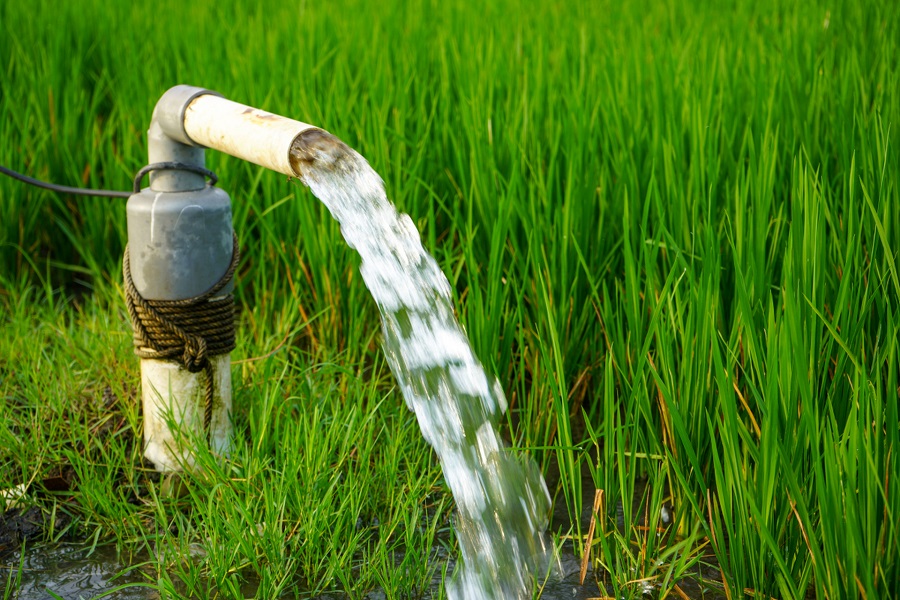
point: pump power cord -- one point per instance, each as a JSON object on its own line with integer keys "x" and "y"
{"x": 65, "y": 189}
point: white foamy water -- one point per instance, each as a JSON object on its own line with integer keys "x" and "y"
{"x": 502, "y": 501}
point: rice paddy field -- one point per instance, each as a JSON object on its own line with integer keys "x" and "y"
{"x": 672, "y": 230}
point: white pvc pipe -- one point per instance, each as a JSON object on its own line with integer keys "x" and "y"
{"x": 254, "y": 135}
{"x": 172, "y": 394}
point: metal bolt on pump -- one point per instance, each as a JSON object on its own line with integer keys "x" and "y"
{"x": 180, "y": 258}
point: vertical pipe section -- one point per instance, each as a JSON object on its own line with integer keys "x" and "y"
{"x": 180, "y": 244}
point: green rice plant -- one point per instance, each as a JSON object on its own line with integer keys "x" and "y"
{"x": 671, "y": 232}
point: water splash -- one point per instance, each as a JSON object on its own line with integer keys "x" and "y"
{"x": 502, "y": 502}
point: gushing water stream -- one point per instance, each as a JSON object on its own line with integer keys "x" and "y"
{"x": 502, "y": 502}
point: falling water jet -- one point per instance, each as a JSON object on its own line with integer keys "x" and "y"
{"x": 502, "y": 502}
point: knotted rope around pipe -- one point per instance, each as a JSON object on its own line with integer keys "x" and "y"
{"x": 189, "y": 331}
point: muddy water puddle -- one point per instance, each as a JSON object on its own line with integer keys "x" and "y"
{"x": 33, "y": 570}
{"x": 79, "y": 571}
{"x": 82, "y": 572}
{"x": 73, "y": 572}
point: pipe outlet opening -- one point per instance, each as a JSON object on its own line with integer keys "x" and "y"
{"x": 320, "y": 150}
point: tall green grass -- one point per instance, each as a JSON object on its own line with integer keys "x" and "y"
{"x": 673, "y": 230}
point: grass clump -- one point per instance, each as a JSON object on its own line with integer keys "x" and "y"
{"x": 673, "y": 234}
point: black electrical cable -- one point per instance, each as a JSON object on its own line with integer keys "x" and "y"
{"x": 65, "y": 189}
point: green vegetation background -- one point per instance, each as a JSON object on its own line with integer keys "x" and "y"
{"x": 673, "y": 229}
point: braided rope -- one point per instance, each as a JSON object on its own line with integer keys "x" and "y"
{"x": 188, "y": 331}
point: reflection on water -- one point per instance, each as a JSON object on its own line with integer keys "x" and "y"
{"x": 75, "y": 572}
